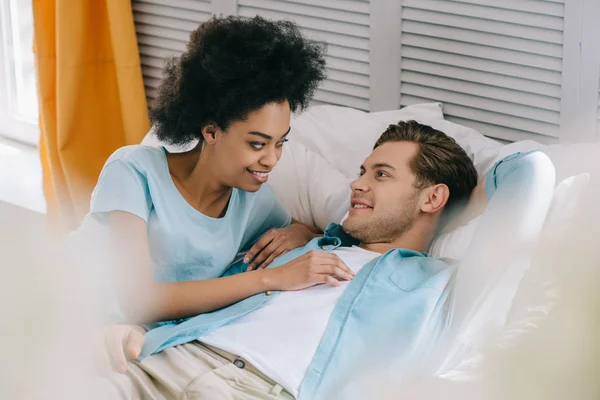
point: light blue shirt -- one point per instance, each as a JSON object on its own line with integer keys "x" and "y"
{"x": 184, "y": 243}
{"x": 404, "y": 308}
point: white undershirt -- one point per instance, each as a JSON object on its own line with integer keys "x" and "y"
{"x": 281, "y": 338}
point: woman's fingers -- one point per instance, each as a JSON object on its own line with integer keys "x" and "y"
{"x": 116, "y": 339}
{"x": 265, "y": 253}
{"x": 258, "y": 247}
{"x": 329, "y": 280}
{"x": 280, "y": 250}
{"x": 135, "y": 341}
{"x": 338, "y": 272}
{"x": 340, "y": 264}
{"x": 333, "y": 260}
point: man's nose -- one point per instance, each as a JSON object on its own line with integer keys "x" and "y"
{"x": 359, "y": 185}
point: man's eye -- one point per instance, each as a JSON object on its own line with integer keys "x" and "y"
{"x": 257, "y": 145}
{"x": 381, "y": 174}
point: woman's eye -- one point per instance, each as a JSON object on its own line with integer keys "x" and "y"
{"x": 282, "y": 142}
{"x": 257, "y": 145}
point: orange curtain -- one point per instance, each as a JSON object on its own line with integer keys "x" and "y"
{"x": 91, "y": 96}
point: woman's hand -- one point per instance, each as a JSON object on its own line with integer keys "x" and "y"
{"x": 277, "y": 242}
{"x": 120, "y": 343}
{"x": 310, "y": 269}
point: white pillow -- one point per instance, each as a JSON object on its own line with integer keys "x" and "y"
{"x": 566, "y": 201}
{"x": 308, "y": 186}
{"x": 345, "y": 136}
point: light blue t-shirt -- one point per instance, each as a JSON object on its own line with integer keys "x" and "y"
{"x": 184, "y": 243}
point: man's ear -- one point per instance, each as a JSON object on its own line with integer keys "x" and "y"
{"x": 209, "y": 133}
{"x": 435, "y": 198}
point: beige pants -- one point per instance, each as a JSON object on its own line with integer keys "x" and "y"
{"x": 193, "y": 371}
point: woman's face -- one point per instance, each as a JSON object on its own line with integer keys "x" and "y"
{"x": 248, "y": 150}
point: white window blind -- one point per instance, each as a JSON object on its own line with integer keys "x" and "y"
{"x": 511, "y": 69}
{"x": 496, "y": 65}
{"x": 598, "y": 131}
{"x": 163, "y": 29}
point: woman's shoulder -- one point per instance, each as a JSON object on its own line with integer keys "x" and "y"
{"x": 139, "y": 157}
{"x": 135, "y": 153}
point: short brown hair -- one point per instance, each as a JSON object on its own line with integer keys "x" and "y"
{"x": 439, "y": 160}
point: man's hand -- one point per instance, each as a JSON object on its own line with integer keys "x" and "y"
{"x": 277, "y": 242}
{"x": 121, "y": 343}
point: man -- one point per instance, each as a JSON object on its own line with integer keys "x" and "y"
{"x": 401, "y": 310}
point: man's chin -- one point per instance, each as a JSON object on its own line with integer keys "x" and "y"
{"x": 347, "y": 224}
{"x": 355, "y": 220}
{"x": 353, "y": 227}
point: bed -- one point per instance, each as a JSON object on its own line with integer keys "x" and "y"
{"x": 328, "y": 144}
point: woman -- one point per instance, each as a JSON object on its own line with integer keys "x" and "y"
{"x": 177, "y": 221}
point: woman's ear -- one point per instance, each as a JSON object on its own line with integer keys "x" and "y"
{"x": 209, "y": 133}
{"x": 436, "y": 198}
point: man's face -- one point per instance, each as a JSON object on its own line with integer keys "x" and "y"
{"x": 384, "y": 200}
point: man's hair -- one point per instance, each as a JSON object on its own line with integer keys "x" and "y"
{"x": 439, "y": 159}
{"x": 231, "y": 67}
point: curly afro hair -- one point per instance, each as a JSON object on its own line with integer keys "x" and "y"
{"x": 231, "y": 67}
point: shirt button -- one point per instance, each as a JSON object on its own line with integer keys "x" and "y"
{"x": 268, "y": 293}
{"x": 323, "y": 248}
{"x": 239, "y": 363}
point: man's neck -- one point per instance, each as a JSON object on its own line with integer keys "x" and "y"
{"x": 415, "y": 239}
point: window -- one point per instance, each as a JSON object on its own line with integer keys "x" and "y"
{"x": 18, "y": 94}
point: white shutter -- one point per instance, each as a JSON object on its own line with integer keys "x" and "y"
{"x": 163, "y": 29}
{"x": 598, "y": 131}
{"x": 495, "y": 64}
{"x": 344, "y": 25}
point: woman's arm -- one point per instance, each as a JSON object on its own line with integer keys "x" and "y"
{"x": 145, "y": 300}
{"x": 311, "y": 228}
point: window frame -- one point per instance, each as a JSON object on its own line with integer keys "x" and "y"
{"x": 13, "y": 125}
